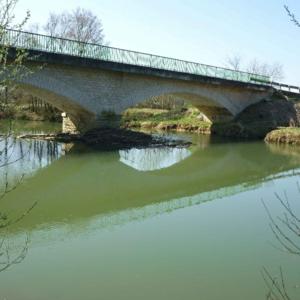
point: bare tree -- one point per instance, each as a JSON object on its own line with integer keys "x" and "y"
{"x": 234, "y": 62}
{"x": 80, "y": 25}
{"x": 7, "y": 16}
{"x": 57, "y": 25}
{"x": 11, "y": 69}
{"x": 12, "y": 66}
{"x": 286, "y": 230}
{"x": 274, "y": 70}
{"x": 292, "y": 16}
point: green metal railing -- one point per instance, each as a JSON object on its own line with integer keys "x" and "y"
{"x": 32, "y": 41}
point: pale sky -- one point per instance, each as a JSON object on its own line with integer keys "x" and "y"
{"x": 204, "y": 31}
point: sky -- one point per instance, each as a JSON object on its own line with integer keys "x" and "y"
{"x": 204, "y": 31}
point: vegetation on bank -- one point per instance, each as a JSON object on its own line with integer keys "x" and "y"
{"x": 33, "y": 110}
{"x": 286, "y": 135}
{"x": 190, "y": 120}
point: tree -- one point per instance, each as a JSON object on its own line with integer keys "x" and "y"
{"x": 11, "y": 68}
{"x": 80, "y": 25}
{"x": 234, "y": 62}
{"x": 292, "y": 16}
{"x": 286, "y": 230}
{"x": 12, "y": 63}
{"x": 274, "y": 70}
{"x": 7, "y": 16}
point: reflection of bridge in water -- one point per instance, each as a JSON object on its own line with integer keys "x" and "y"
{"x": 148, "y": 211}
{"x": 77, "y": 189}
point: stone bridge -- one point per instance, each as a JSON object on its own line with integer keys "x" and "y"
{"x": 87, "y": 81}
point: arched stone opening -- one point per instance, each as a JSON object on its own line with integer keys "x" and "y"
{"x": 75, "y": 119}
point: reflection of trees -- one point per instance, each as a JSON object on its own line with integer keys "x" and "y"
{"x": 45, "y": 152}
{"x": 286, "y": 229}
{"x": 23, "y": 157}
{"x": 19, "y": 158}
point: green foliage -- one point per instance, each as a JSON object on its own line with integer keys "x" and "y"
{"x": 186, "y": 120}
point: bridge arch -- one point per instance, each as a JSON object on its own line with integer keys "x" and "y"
{"x": 75, "y": 117}
{"x": 212, "y": 111}
{"x": 85, "y": 93}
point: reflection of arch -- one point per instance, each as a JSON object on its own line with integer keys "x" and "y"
{"x": 151, "y": 159}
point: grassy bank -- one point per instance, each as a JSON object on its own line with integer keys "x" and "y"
{"x": 286, "y": 135}
{"x": 189, "y": 120}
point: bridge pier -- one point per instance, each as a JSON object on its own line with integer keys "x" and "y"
{"x": 68, "y": 126}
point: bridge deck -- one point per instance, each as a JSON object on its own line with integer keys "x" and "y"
{"x": 33, "y": 41}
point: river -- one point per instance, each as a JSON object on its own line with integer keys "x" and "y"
{"x": 157, "y": 223}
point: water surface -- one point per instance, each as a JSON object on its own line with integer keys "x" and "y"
{"x": 158, "y": 223}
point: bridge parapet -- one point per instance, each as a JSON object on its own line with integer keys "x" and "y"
{"x": 51, "y": 44}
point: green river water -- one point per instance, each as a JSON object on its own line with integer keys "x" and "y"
{"x": 162, "y": 223}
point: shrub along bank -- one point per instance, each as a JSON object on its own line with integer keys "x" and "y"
{"x": 190, "y": 120}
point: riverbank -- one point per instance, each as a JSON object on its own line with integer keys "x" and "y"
{"x": 189, "y": 120}
{"x": 287, "y": 135}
